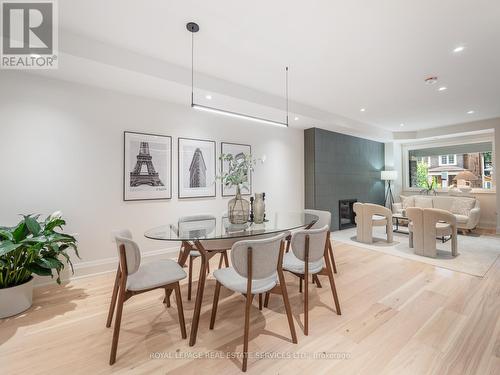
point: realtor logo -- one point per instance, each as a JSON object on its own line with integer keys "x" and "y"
{"x": 29, "y": 35}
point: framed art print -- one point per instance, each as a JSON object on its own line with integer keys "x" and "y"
{"x": 147, "y": 172}
{"x": 196, "y": 168}
{"x": 237, "y": 150}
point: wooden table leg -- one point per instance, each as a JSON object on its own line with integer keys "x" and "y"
{"x": 205, "y": 257}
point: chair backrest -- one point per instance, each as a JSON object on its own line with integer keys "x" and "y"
{"x": 324, "y": 218}
{"x": 200, "y": 226}
{"x": 435, "y": 214}
{"x": 317, "y": 242}
{"x": 376, "y": 209}
{"x": 132, "y": 251}
{"x": 265, "y": 255}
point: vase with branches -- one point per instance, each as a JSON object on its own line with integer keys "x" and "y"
{"x": 238, "y": 172}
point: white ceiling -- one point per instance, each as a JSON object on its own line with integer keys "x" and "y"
{"x": 343, "y": 55}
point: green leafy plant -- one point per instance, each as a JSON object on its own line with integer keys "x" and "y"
{"x": 239, "y": 168}
{"x": 34, "y": 247}
{"x": 430, "y": 186}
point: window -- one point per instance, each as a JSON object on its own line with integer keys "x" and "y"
{"x": 439, "y": 167}
{"x": 447, "y": 159}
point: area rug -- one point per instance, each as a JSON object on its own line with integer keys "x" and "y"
{"x": 476, "y": 254}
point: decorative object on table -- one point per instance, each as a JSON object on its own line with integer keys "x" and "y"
{"x": 238, "y": 171}
{"x": 466, "y": 176}
{"x": 31, "y": 247}
{"x": 197, "y": 167}
{"x": 238, "y": 151}
{"x": 259, "y": 208}
{"x": 388, "y": 176}
{"x": 430, "y": 187}
{"x": 264, "y": 199}
{"x": 147, "y": 166}
{"x": 251, "y": 209}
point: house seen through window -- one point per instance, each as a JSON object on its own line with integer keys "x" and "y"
{"x": 446, "y": 166}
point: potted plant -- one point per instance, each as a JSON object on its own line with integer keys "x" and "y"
{"x": 430, "y": 186}
{"x": 239, "y": 169}
{"x": 31, "y": 247}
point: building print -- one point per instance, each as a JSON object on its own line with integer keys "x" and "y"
{"x": 144, "y": 172}
{"x": 197, "y": 170}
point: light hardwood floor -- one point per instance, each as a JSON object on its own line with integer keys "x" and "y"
{"x": 398, "y": 317}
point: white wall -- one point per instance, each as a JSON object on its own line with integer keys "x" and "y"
{"x": 61, "y": 146}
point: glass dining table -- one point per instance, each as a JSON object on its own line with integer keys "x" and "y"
{"x": 203, "y": 233}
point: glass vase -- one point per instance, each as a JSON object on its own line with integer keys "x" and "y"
{"x": 238, "y": 209}
{"x": 259, "y": 208}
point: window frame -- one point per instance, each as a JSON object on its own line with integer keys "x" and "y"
{"x": 447, "y": 160}
{"x": 407, "y": 147}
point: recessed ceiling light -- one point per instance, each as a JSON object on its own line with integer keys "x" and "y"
{"x": 401, "y": 125}
{"x": 442, "y": 88}
{"x": 209, "y": 97}
{"x": 296, "y": 118}
{"x": 459, "y": 49}
{"x": 471, "y": 112}
{"x": 362, "y": 109}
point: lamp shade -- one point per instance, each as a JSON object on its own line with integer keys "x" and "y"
{"x": 466, "y": 175}
{"x": 388, "y": 175}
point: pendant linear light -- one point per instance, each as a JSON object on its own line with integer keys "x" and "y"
{"x": 194, "y": 28}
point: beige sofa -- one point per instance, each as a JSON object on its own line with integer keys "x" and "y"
{"x": 466, "y": 210}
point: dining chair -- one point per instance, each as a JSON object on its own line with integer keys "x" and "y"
{"x": 208, "y": 224}
{"x": 256, "y": 269}
{"x": 133, "y": 278}
{"x": 310, "y": 255}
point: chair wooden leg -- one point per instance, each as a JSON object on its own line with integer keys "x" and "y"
{"x": 180, "y": 310}
{"x": 190, "y": 277}
{"x": 315, "y": 279}
{"x": 260, "y": 301}
{"x": 306, "y": 302}
{"x": 118, "y": 320}
{"x": 332, "y": 284}
{"x": 215, "y": 304}
{"x": 246, "y": 331}
{"x": 226, "y": 259}
{"x": 208, "y": 266}
{"x": 288, "y": 309}
{"x": 330, "y": 250}
{"x": 113, "y": 298}
{"x": 300, "y": 284}
{"x": 167, "y": 297}
{"x": 288, "y": 246}
{"x": 266, "y": 300}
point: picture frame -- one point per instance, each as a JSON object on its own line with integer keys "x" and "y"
{"x": 234, "y": 149}
{"x": 147, "y": 166}
{"x": 196, "y": 168}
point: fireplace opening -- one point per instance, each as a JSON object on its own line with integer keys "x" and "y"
{"x": 346, "y": 213}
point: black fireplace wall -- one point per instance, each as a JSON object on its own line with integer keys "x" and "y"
{"x": 339, "y": 166}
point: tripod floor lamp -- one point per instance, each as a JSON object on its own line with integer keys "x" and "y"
{"x": 388, "y": 176}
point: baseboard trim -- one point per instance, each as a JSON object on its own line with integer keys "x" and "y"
{"x": 102, "y": 266}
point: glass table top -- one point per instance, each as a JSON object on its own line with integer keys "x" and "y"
{"x": 208, "y": 227}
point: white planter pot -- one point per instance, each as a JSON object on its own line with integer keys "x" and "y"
{"x": 16, "y": 299}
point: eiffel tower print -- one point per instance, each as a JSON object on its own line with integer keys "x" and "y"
{"x": 144, "y": 172}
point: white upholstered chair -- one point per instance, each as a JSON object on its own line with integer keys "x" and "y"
{"x": 311, "y": 255}
{"x": 325, "y": 218}
{"x": 206, "y": 223}
{"x": 369, "y": 215}
{"x": 133, "y": 278}
{"x": 427, "y": 224}
{"x": 256, "y": 269}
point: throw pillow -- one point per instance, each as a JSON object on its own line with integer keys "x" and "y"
{"x": 423, "y": 202}
{"x": 462, "y": 206}
{"x": 407, "y": 202}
